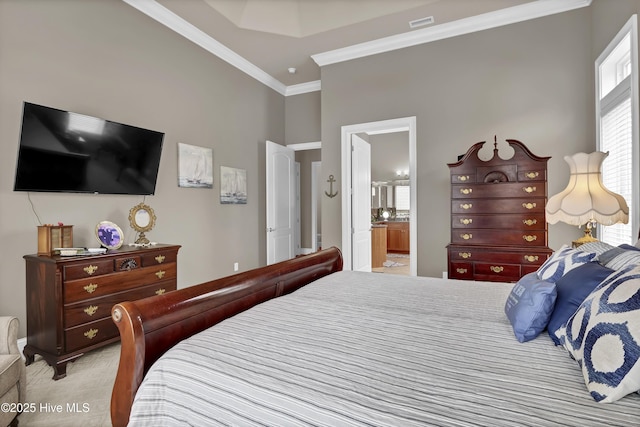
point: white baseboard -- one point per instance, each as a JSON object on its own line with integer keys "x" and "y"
{"x": 306, "y": 251}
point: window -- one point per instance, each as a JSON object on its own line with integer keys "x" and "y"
{"x": 617, "y": 127}
{"x": 403, "y": 196}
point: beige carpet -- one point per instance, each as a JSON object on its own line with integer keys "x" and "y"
{"x": 81, "y": 399}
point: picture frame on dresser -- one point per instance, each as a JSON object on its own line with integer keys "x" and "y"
{"x": 498, "y": 227}
{"x": 69, "y": 299}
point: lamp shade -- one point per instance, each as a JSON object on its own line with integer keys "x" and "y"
{"x": 586, "y": 199}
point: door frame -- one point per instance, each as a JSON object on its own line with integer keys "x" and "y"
{"x": 403, "y": 124}
{"x": 315, "y": 174}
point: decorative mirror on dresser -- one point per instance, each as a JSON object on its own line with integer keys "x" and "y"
{"x": 142, "y": 219}
{"x": 498, "y": 226}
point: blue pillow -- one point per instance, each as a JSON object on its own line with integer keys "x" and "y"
{"x": 573, "y": 288}
{"x": 529, "y": 306}
{"x": 562, "y": 261}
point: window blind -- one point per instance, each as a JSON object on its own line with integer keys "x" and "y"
{"x": 616, "y": 138}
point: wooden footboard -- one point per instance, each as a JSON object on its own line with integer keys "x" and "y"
{"x": 150, "y": 326}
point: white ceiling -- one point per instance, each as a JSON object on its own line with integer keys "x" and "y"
{"x": 264, "y": 38}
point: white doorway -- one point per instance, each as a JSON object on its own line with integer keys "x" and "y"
{"x": 283, "y": 201}
{"x": 406, "y": 124}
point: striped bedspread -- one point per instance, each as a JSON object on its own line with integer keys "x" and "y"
{"x": 367, "y": 349}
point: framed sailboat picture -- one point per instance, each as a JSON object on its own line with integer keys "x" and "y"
{"x": 233, "y": 186}
{"x": 195, "y": 166}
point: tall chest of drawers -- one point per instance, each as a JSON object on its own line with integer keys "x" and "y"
{"x": 498, "y": 226}
{"x": 69, "y": 299}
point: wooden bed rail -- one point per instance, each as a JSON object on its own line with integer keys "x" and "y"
{"x": 150, "y": 326}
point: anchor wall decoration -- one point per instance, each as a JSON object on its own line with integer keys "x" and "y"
{"x": 331, "y": 194}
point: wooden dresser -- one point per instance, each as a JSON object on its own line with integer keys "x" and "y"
{"x": 498, "y": 226}
{"x": 69, "y": 299}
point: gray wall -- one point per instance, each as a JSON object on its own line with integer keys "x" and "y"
{"x": 531, "y": 81}
{"x": 103, "y": 58}
{"x": 302, "y": 118}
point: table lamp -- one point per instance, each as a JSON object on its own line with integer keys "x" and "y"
{"x": 586, "y": 201}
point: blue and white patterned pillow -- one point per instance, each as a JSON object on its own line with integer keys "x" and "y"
{"x": 620, "y": 257}
{"x": 561, "y": 261}
{"x": 603, "y": 336}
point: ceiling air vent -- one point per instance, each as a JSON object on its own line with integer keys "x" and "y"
{"x": 421, "y": 22}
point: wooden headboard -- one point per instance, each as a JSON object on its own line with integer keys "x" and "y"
{"x": 151, "y": 326}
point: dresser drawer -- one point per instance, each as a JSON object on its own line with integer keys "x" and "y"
{"x": 97, "y": 308}
{"x": 497, "y": 206}
{"x": 476, "y": 236}
{"x": 534, "y": 221}
{"x": 469, "y": 253}
{"x": 532, "y": 175}
{"x": 497, "y": 269}
{"x": 90, "y": 334}
{"x": 461, "y": 270}
{"x": 463, "y": 177}
{"x": 83, "y": 289}
{"x": 499, "y": 190}
{"x": 90, "y": 268}
{"x": 161, "y": 257}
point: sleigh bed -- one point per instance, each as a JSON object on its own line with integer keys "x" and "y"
{"x": 304, "y": 343}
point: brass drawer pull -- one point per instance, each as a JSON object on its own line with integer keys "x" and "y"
{"x": 91, "y": 333}
{"x": 529, "y": 205}
{"x": 465, "y": 255}
{"x": 161, "y": 291}
{"x": 463, "y": 178}
{"x": 461, "y": 270}
{"x": 160, "y": 259}
{"x": 529, "y": 189}
{"x": 466, "y": 190}
{"x": 496, "y": 269}
{"x": 531, "y": 258}
{"x": 466, "y": 221}
{"x": 91, "y": 287}
{"x": 160, "y": 274}
{"x": 90, "y": 269}
{"x": 91, "y": 310}
{"x": 529, "y": 238}
{"x": 467, "y": 236}
{"x": 532, "y": 175}
{"x": 529, "y": 222}
{"x": 466, "y": 206}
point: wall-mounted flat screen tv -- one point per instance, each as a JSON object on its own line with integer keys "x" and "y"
{"x": 61, "y": 151}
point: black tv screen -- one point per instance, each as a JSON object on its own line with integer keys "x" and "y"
{"x": 61, "y": 151}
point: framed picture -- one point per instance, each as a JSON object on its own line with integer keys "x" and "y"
{"x": 233, "y": 186}
{"x": 195, "y": 166}
{"x": 109, "y": 234}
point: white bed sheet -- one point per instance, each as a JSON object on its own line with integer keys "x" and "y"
{"x": 369, "y": 349}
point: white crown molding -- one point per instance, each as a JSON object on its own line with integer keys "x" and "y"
{"x": 512, "y": 15}
{"x": 532, "y": 10}
{"x": 169, "y": 19}
{"x": 301, "y": 88}
{"x": 301, "y": 146}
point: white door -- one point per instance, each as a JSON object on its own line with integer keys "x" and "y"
{"x": 281, "y": 206}
{"x": 361, "y": 204}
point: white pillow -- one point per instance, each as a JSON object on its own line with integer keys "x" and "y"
{"x": 603, "y": 336}
{"x": 562, "y": 261}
